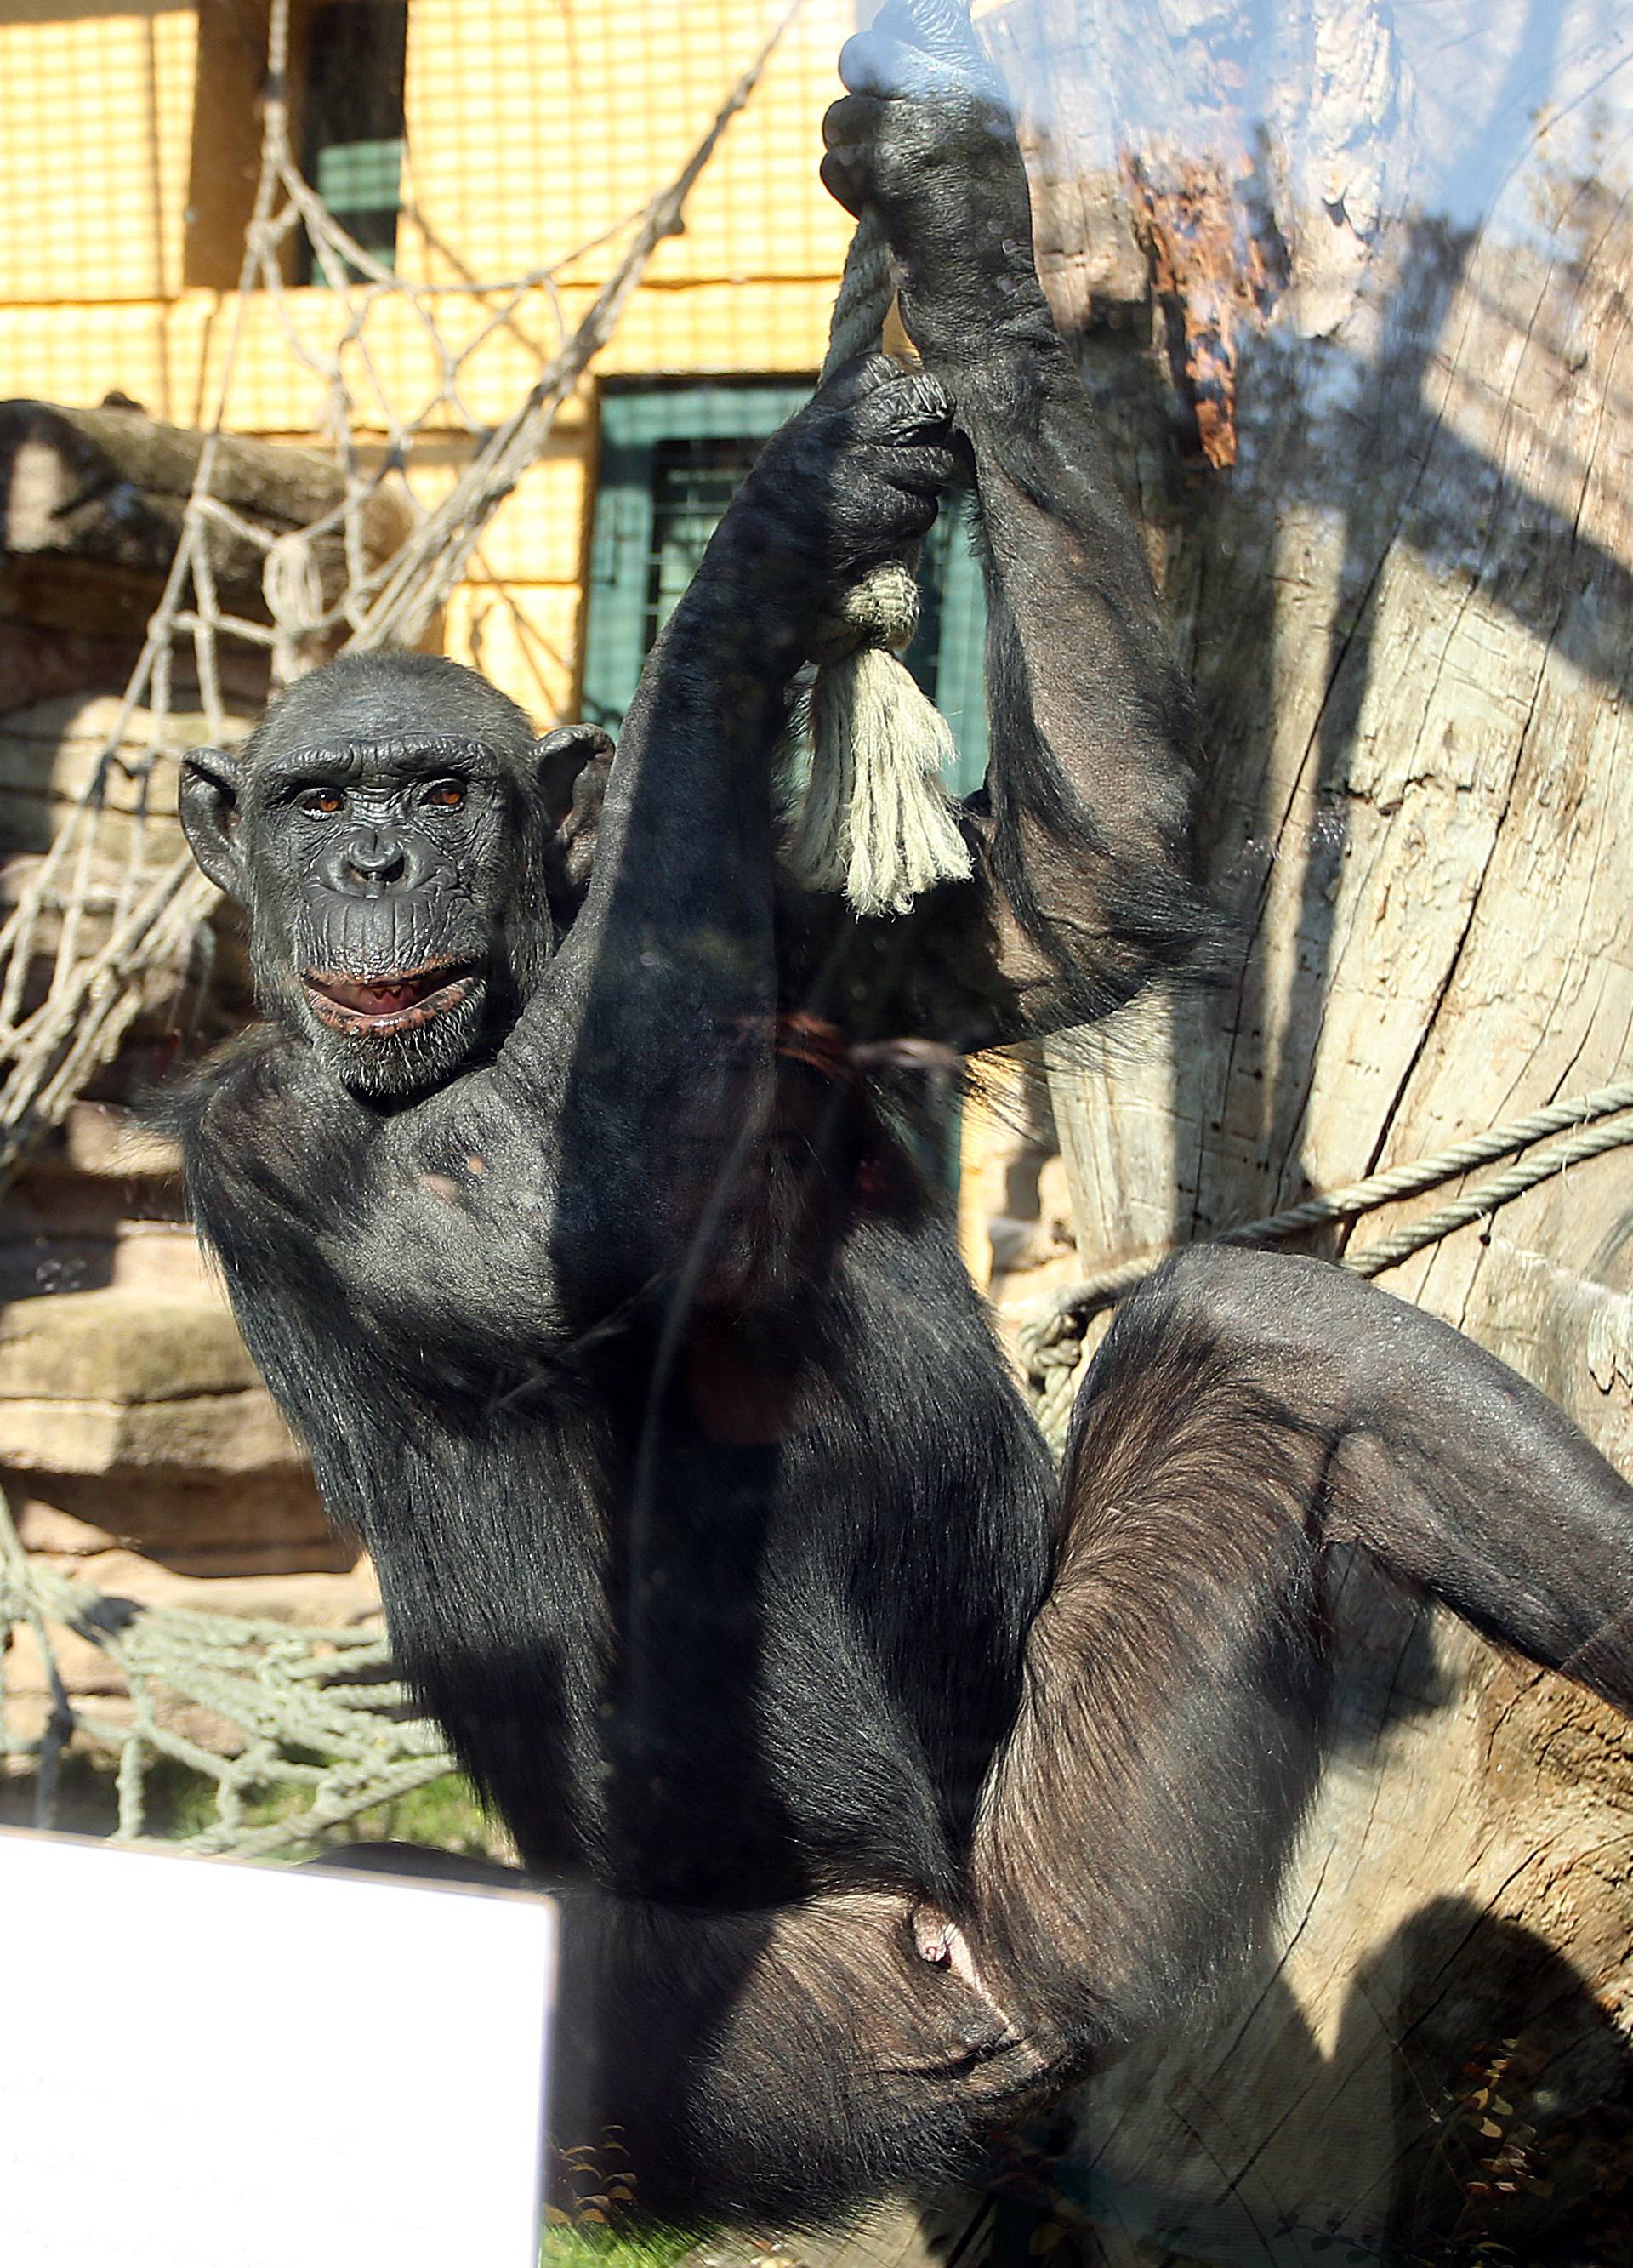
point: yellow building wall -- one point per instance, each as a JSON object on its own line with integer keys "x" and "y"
{"x": 533, "y": 131}
{"x": 96, "y": 130}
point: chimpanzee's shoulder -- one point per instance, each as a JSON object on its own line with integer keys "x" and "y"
{"x": 258, "y": 1126}
{"x": 255, "y": 1069}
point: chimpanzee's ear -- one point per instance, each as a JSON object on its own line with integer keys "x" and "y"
{"x": 207, "y": 805}
{"x": 559, "y": 758}
{"x": 572, "y": 766}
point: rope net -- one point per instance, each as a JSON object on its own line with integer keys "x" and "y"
{"x": 102, "y": 914}
{"x": 113, "y": 914}
{"x": 314, "y": 1716}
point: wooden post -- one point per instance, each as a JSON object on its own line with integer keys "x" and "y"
{"x": 1383, "y": 457}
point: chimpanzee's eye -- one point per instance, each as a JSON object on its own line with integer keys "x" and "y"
{"x": 321, "y": 802}
{"x": 447, "y": 794}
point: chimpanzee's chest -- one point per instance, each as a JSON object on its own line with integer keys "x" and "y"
{"x": 705, "y": 1671}
{"x": 715, "y": 1637}
{"x": 720, "y": 1671}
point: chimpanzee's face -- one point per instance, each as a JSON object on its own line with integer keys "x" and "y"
{"x": 385, "y": 829}
{"x": 386, "y": 871}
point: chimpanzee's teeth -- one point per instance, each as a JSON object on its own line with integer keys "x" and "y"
{"x": 380, "y": 1002}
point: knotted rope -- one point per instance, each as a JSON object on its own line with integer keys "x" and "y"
{"x": 1051, "y": 1336}
{"x": 876, "y": 821}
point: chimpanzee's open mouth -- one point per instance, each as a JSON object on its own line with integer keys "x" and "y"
{"x": 384, "y": 1005}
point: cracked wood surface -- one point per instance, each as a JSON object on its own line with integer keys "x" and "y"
{"x": 1407, "y": 606}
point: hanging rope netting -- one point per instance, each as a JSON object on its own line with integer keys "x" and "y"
{"x": 111, "y": 912}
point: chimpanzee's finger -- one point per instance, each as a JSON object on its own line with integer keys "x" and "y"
{"x": 846, "y": 186}
{"x": 890, "y": 512}
{"x": 904, "y": 21}
{"x": 915, "y": 408}
{"x": 887, "y": 400}
{"x": 849, "y": 132}
{"x": 871, "y": 64}
{"x": 919, "y": 471}
{"x": 949, "y": 40}
{"x": 850, "y": 124}
{"x": 865, "y": 375}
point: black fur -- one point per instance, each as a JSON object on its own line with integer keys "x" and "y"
{"x": 889, "y": 1782}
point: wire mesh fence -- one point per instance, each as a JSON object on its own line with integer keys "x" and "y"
{"x": 114, "y": 908}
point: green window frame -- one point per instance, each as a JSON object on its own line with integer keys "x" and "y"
{"x": 651, "y": 520}
{"x": 352, "y": 123}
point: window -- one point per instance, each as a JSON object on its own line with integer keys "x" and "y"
{"x": 352, "y": 120}
{"x": 347, "y": 67}
{"x": 671, "y": 457}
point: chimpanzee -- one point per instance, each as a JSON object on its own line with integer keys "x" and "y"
{"x": 567, "y": 1201}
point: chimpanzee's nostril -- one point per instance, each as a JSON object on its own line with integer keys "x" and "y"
{"x": 375, "y": 857}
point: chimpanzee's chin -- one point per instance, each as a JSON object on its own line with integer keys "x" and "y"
{"x": 388, "y": 1066}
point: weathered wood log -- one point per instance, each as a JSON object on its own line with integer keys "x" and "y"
{"x": 1381, "y": 441}
{"x": 108, "y": 488}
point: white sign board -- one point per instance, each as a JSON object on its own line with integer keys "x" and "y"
{"x": 205, "y": 2066}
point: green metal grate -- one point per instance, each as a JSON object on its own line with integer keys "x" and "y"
{"x": 671, "y": 458}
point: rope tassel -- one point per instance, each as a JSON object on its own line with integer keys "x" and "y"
{"x": 876, "y": 821}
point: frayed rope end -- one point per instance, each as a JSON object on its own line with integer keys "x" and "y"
{"x": 876, "y": 821}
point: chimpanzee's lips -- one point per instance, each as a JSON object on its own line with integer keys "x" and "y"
{"x": 383, "y": 1006}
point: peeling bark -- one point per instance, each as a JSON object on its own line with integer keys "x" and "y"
{"x": 1402, "y": 564}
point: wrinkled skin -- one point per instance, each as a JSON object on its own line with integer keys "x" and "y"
{"x": 891, "y": 1777}
{"x": 394, "y": 869}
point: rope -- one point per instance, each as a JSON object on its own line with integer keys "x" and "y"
{"x": 876, "y": 821}
{"x": 112, "y": 918}
{"x": 280, "y": 1696}
{"x": 863, "y": 302}
{"x": 121, "y": 914}
{"x": 1051, "y": 1334}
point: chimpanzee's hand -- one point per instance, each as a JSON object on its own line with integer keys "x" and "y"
{"x": 929, "y": 144}
{"x": 850, "y": 481}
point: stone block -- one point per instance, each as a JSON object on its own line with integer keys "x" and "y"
{"x": 135, "y": 1422}
{"x": 122, "y": 1348}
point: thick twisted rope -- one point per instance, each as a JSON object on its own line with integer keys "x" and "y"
{"x": 1051, "y": 1336}
{"x": 862, "y": 301}
{"x": 876, "y": 821}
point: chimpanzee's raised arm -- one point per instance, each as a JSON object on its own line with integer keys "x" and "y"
{"x": 657, "y": 1019}
{"x": 1086, "y": 812}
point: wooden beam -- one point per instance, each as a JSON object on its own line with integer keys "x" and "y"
{"x": 108, "y": 488}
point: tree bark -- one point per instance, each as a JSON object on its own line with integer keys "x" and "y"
{"x": 1382, "y": 450}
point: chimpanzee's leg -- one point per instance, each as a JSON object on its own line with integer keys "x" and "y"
{"x": 1450, "y": 1468}
{"x": 1245, "y": 1410}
